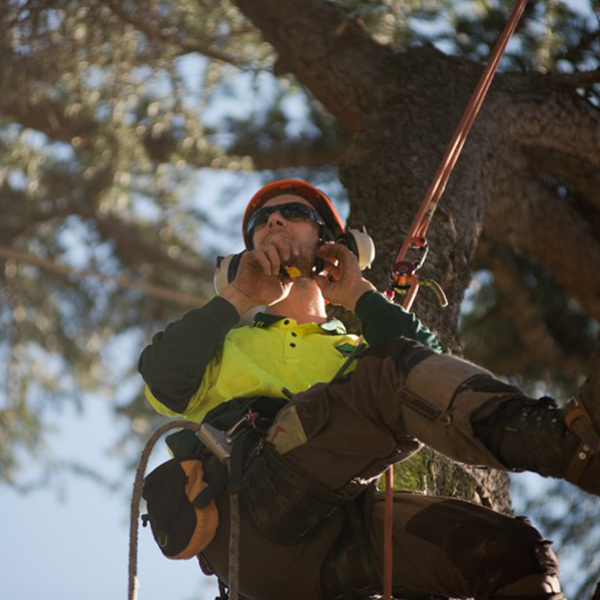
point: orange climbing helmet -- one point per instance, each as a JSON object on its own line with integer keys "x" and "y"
{"x": 334, "y": 227}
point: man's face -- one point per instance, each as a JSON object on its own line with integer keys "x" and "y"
{"x": 301, "y": 231}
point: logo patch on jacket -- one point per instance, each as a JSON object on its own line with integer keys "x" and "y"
{"x": 345, "y": 349}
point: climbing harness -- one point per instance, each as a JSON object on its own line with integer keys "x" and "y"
{"x": 253, "y": 468}
{"x": 404, "y": 281}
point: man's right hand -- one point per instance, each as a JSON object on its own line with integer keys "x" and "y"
{"x": 258, "y": 281}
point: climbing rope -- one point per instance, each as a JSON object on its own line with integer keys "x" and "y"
{"x": 403, "y": 277}
{"x": 134, "y": 516}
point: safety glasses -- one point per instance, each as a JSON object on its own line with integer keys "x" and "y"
{"x": 293, "y": 211}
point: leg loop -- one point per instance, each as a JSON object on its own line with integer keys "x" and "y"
{"x": 349, "y": 570}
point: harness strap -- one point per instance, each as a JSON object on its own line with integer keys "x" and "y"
{"x": 351, "y": 358}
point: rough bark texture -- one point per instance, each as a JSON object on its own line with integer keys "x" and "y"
{"x": 402, "y": 110}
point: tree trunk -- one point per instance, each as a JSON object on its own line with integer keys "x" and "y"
{"x": 403, "y": 110}
{"x": 387, "y": 170}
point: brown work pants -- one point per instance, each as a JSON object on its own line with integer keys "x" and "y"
{"x": 344, "y": 433}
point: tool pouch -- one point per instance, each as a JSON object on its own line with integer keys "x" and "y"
{"x": 181, "y": 512}
{"x": 284, "y": 503}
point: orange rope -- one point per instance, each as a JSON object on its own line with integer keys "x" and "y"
{"x": 421, "y": 222}
{"x": 417, "y": 234}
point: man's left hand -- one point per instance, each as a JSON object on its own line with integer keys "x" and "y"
{"x": 341, "y": 281}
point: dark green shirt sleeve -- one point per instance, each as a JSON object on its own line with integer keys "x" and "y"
{"x": 382, "y": 321}
{"x": 173, "y": 364}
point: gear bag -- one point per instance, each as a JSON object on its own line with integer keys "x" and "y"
{"x": 183, "y": 519}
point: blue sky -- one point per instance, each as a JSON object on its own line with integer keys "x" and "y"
{"x": 73, "y": 544}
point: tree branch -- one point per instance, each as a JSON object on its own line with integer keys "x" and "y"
{"x": 580, "y": 173}
{"x": 46, "y": 115}
{"x": 155, "y": 291}
{"x": 590, "y": 389}
{"x": 536, "y": 336}
{"x": 553, "y": 117}
{"x": 527, "y": 215}
{"x": 578, "y": 79}
{"x": 173, "y": 38}
{"x": 295, "y": 153}
{"x": 328, "y": 51}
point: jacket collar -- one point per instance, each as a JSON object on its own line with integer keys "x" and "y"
{"x": 333, "y": 326}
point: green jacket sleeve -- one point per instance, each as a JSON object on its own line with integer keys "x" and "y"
{"x": 173, "y": 364}
{"x": 382, "y": 321}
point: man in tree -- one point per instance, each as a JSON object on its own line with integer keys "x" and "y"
{"x": 309, "y": 529}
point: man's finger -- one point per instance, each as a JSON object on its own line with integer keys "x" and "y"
{"x": 272, "y": 254}
{"x": 283, "y": 249}
{"x": 332, "y": 272}
{"x": 263, "y": 262}
{"x": 333, "y": 250}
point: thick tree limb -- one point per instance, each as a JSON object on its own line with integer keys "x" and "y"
{"x": 552, "y": 117}
{"x": 584, "y": 176}
{"x": 536, "y": 336}
{"x": 328, "y": 51}
{"x": 527, "y": 215}
{"x": 579, "y": 79}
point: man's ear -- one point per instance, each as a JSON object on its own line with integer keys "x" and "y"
{"x": 226, "y": 270}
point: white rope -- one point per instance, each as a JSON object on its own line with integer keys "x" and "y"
{"x": 136, "y": 497}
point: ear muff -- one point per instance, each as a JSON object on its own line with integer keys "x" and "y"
{"x": 361, "y": 244}
{"x": 226, "y": 270}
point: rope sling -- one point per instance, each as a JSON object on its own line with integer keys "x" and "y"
{"x": 403, "y": 276}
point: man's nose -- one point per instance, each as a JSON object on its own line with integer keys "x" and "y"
{"x": 276, "y": 220}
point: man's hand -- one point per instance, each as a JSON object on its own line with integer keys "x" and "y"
{"x": 341, "y": 281}
{"x": 258, "y": 281}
